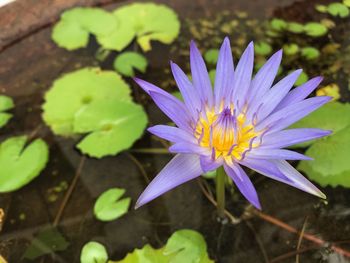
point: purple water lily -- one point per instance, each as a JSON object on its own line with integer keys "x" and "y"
{"x": 241, "y": 122}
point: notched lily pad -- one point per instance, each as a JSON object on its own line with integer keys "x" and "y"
{"x": 20, "y": 164}
{"x": 76, "y": 90}
{"x": 6, "y": 103}
{"x": 109, "y": 205}
{"x": 73, "y": 29}
{"x": 112, "y": 126}
{"x": 146, "y": 22}
{"x": 338, "y": 9}
{"x": 93, "y": 252}
{"x": 126, "y": 62}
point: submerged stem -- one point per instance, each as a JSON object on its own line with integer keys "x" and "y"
{"x": 220, "y": 191}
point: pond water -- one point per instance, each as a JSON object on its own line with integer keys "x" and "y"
{"x": 27, "y": 70}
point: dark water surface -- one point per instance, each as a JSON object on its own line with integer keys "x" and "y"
{"x": 27, "y": 70}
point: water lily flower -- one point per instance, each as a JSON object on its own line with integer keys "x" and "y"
{"x": 241, "y": 122}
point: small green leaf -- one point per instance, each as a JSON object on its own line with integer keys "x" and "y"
{"x": 314, "y": 29}
{"x": 303, "y": 77}
{"x": 112, "y": 127}
{"x": 178, "y": 95}
{"x": 127, "y": 61}
{"x": 212, "y": 74}
{"x": 310, "y": 53}
{"x": 147, "y": 254}
{"x": 262, "y": 48}
{"x": 295, "y": 27}
{"x": 321, "y": 8}
{"x": 346, "y": 2}
{"x": 72, "y": 31}
{"x": 19, "y": 164}
{"x": 76, "y": 90}
{"x": 109, "y": 206}
{"x": 278, "y": 24}
{"x": 46, "y": 241}
{"x": 6, "y": 103}
{"x": 211, "y": 56}
{"x": 93, "y": 252}
{"x": 290, "y": 49}
{"x": 146, "y": 22}
{"x": 338, "y": 9}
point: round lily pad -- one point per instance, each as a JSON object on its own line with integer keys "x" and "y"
{"x": 75, "y": 91}
{"x": 211, "y": 56}
{"x": 75, "y": 25}
{"x": 314, "y": 29}
{"x": 109, "y": 205}
{"x": 146, "y": 22}
{"x": 126, "y": 62}
{"x": 19, "y": 164}
{"x": 310, "y": 53}
{"x": 112, "y": 126}
{"x": 93, "y": 252}
{"x": 338, "y": 9}
{"x": 278, "y": 24}
{"x": 290, "y": 49}
{"x": 295, "y": 27}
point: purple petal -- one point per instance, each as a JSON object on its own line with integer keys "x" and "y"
{"x": 185, "y": 147}
{"x": 287, "y": 138}
{"x": 200, "y": 76}
{"x": 276, "y": 94}
{"x": 172, "y": 134}
{"x": 224, "y": 73}
{"x": 264, "y": 78}
{"x": 243, "y": 183}
{"x": 208, "y": 164}
{"x": 148, "y": 87}
{"x": 293, "y": 175}
{"x": 173, "y": 110}
{"x": 300, "y": 93}
{"x": 292, "y": 113}
{"x": 189, "y": 93}
{"x": 242, "y": 76}
{"x": 182, "y": 168}
{"x": 276, "y": 154}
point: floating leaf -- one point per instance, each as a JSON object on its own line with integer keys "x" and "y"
{"x": 46, "y": 241}
{"x": 109, "y": 206}
{"x": 321, "y": 8}
{"x": 73, "y": 30}
{"x": 262, "y": 48}
{"x": 112, "y": 127}
{"x": 295, "y": 27}
{"x": 93, "y": 252}
{"x": 186, "y": 246}
{"x": 183, "y": 246}
{"x": 6, "y": 103}
{"x": 211, "y": 56}
{"x": 290, "y": 49}
{"x": 346, "y": 2}
{"x": 329, "y": 90}
{"x": 303, "y": 77}
{"x": 315, "y": 29}
{"x": 338, "y": 9}
{"x": 178, "y": 95}
{"x": 310, "y": 53}
{"x": 127, "y": 61}
{"x": 76, "y": 90}
{"x": 278, "y": 24}
{"x": 19, "y": 164}
{"x": 146, "y": 21}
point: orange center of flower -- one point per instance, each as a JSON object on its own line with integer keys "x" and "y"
{"x": 225, "y": 133}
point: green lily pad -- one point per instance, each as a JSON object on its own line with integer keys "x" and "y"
{"x": 338, "y": 9}
{"x": 146, "y": 22}
{"x": 321, "y": 8}
{"x": 112, "y": 126}
{"x": 109, "y": 206}
{"x": 262, "y": 48}
{"x": 303, "y": 77}
{"x": 295, "y": 27}
{"x": 76, "y": 90}
{"x": 93, "y": 252}
{"x": 290, "y": 49}
{"x": 211, "y": 56}
{"x": 147, "y": 254}
{"x": 46, "y": 241}
{"x": 19, "y": 164}
{"x": 278, "y": 24}
{"x": 126, "y": 62}
{"x": 6, "y": 103}
{"x": 310, "y": 53}
{"x": 73, "y": 29}
{"x": 346, "y": 2}
{"x": 314, "y": 29}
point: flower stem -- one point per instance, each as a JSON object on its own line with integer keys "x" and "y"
{"x": 220, "y": 191}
